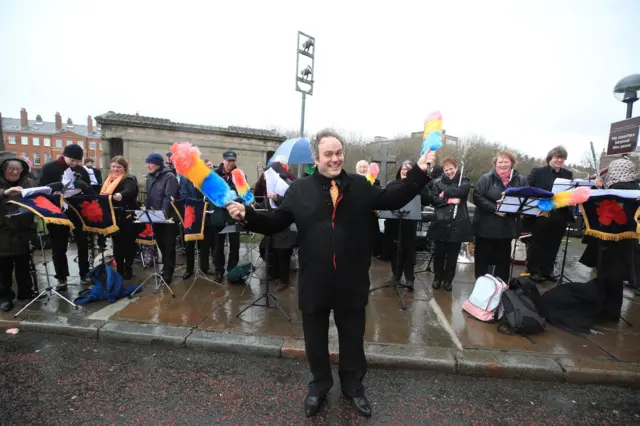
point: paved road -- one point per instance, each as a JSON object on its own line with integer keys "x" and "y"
{"x": 64, "y": 380}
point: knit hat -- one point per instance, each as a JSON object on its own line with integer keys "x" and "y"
{"x": 74, "y": 152}
{"x": 155, "y": 158}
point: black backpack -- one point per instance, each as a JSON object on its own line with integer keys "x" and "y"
{"x": 520, "y": 314}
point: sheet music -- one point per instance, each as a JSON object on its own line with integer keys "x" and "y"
{"x": 271, "y": 179}
{"x": 27, "y": 192}
{"x": 68, "y": 177}
{"x": 156, "y": 216}
{"x": 561, "y": 184}
{"x": 512, "y": 205}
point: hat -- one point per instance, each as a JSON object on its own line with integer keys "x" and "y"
{"x": 169, "y": 154}
{"x": 229, "y": 155}
{"x": 155, "y": 158}
{"x": 73, "y": 151}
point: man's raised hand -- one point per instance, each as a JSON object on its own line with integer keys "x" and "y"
{"x": 236, "y": 210}
{"x": 428, "y": 157}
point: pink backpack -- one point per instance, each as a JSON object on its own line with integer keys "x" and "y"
{"x": 484, "y": 301}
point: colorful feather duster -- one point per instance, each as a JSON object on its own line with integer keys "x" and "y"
{"x": 242, "y": 187}
{"x": 562, "y": 199}
{"x": 187, "y": 161}
{"x": 372, "y": 172}
{"x": 432, "y": 137}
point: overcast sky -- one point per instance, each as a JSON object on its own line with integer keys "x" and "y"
{"x": 531, "y": 74}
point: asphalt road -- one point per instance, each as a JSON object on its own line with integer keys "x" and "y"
{"x": 63, "y": 380}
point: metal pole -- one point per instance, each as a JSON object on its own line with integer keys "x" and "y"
{"x": 629, "y": 108}
{"x": 1, "y": 135}
{"x": 304, "y": 99}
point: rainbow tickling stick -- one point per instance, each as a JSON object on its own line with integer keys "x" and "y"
{"x": 372, "y": 172}
{"x": 187, "y": 161}
{"x": 432, "y": 137}
{"x": 242, "y": 187}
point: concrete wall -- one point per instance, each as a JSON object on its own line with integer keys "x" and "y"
{"x": 140, "y": 142}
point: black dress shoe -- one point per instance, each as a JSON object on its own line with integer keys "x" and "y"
{"x": 187, "y": 275}
{"x": 217, "y": 277}
{"x": 436, "y": 284}
{"x": 312, "y": 405}
{"x": 167, "y": 278}
{"x": 360, "y": 404}
{"x": 6, "y": 305}
{"x": 128, "y": 274}
{"x": 447, "y": 286}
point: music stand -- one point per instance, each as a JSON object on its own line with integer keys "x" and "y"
{"x": 144, "y": 216}
{"x": 48, "y": 290}
{"x": 267, "y": 296}
{"x": 518, "y": 205}
{"x": 411, "y": 211}
{"x": 197, "y": 269}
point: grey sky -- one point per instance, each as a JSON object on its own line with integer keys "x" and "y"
{"x": 530, "y": 74}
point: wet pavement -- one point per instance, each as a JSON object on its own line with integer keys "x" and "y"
{"x": 49, "y": 379}
{"x": 432, "y": 318}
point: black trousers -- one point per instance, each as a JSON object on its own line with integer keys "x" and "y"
{"x": 545, "y": 242}
{"x": 405, "y": 238}
{"x": 124, "y": 245}
{"x": 204, "y": 246}
{"x": 23, "y": 278}
{"x": 60, "y": 242}
{"x": 445, "y": 260}
{"x": 166, "y": 238}
{"x": 493, "y": 252}
{"x": 280, "y": 264}
{"x": 218, "y": 253}
{"x": 353, "y": 364}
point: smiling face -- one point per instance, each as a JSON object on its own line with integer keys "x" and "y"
{"x": 71, "y": 162}
{"x": 330, "y": 157}
{"x": 449, "y": 170}
{"x": 12, "y": 171}
{"x": 152, "y": 167}
{"x": 117, "y": 169}
{"x": 405, "y": 169}
{"x": 503, "y": 164}
{"x": 557, "y": 161}
{"x": 362, "y": 167}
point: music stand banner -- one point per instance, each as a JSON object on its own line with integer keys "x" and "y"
{"x": 95, "y": 212}
{"x": 146, "y": 237}
{"x": 612, "y": 215}
{"x": 192, "y": 214}
{"x": 47, "y": 207}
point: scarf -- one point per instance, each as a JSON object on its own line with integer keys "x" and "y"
{"x": 504, "y": 176}
{"x": 622, "y": 170}
{"x": 110, "y": 184}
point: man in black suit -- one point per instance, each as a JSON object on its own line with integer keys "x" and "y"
{"x": 68, "y": 171}
{"x": 332, "y": 211}
{"x": 547, "y": 231}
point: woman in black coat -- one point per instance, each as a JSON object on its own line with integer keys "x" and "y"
{"x": 494, "y": 230}
{"x": 15, "y": 232}
{"x": 447, "y": 192}
{"x": 124, "y": 190}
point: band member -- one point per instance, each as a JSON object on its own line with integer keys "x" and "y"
{"x": 220, "y": 218}
{"x": 332, "y": 211}
{"x": 95, "y": 175}
{"x": 283, "y": 242}
{"x": 161, "y": 186}
{"x": 15, "y": 232}
{"x": 124, "y": 191}
{"x": 494, "y": 230}
{"x": 68, "y": 170}
{"x": 449, "y": 232}
{"x": 547, "y": 230}
{"x": 188, "y": 190}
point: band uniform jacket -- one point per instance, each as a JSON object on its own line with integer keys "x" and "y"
{"x": 543, "y": 178}
{"x": 444, "y": 227}
{"x": 488, "y": 190}
{"x": 335, "y": 244}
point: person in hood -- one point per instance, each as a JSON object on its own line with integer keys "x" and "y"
{"x": 68, "y": 171}
{"x": 161, "y": 186}
{"x": 494, "y": 230}
{"x": 15, "y": 232}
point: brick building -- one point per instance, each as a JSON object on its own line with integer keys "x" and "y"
{"x": 41, "y": 141}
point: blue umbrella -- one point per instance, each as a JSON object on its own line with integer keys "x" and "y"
{"x": 293, "y": 151}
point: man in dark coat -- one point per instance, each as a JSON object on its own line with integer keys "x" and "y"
{"x": 547, "y": 231}
{"x": 15, "y": 232}
{"x": 68, "y": 171}
{"x": 188, "y": 190}
{"x": 332, "y": 211}
{"x": 161, "y": 186}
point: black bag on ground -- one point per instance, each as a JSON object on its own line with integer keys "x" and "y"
{"x": 520, "y": 314}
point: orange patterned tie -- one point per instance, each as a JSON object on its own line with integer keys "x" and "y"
{"x": 334, "y": 192}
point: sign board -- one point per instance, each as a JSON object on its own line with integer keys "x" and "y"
{"x": 623, "y": 136}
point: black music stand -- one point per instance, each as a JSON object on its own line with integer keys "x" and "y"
{"x": 144, "y": 216}
{"x": 267, "y": 296}
{"x": 411, "y": 211}
{"x": 518, "y": 205}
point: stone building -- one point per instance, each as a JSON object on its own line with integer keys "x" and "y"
{"x": 135, "y": 136}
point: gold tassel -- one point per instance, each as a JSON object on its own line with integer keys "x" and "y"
{"x": 629, "y": 235}
{"x": 146, "y": 242}
{"x": 194, "y": 237}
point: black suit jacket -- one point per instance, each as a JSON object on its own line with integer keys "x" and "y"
{"x": 543, "y": 178}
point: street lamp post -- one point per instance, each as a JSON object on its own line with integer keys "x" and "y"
{"x": 305, "y": 61}
{"x": 626, "y": 90}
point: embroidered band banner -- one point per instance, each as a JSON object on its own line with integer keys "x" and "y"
{"x": 612, "y": 215}
{"x": 192, "y": 214}
{"x": 47, "y": 207}
{"x": 95, "y": 212}
{"x": 146, "y": 237}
